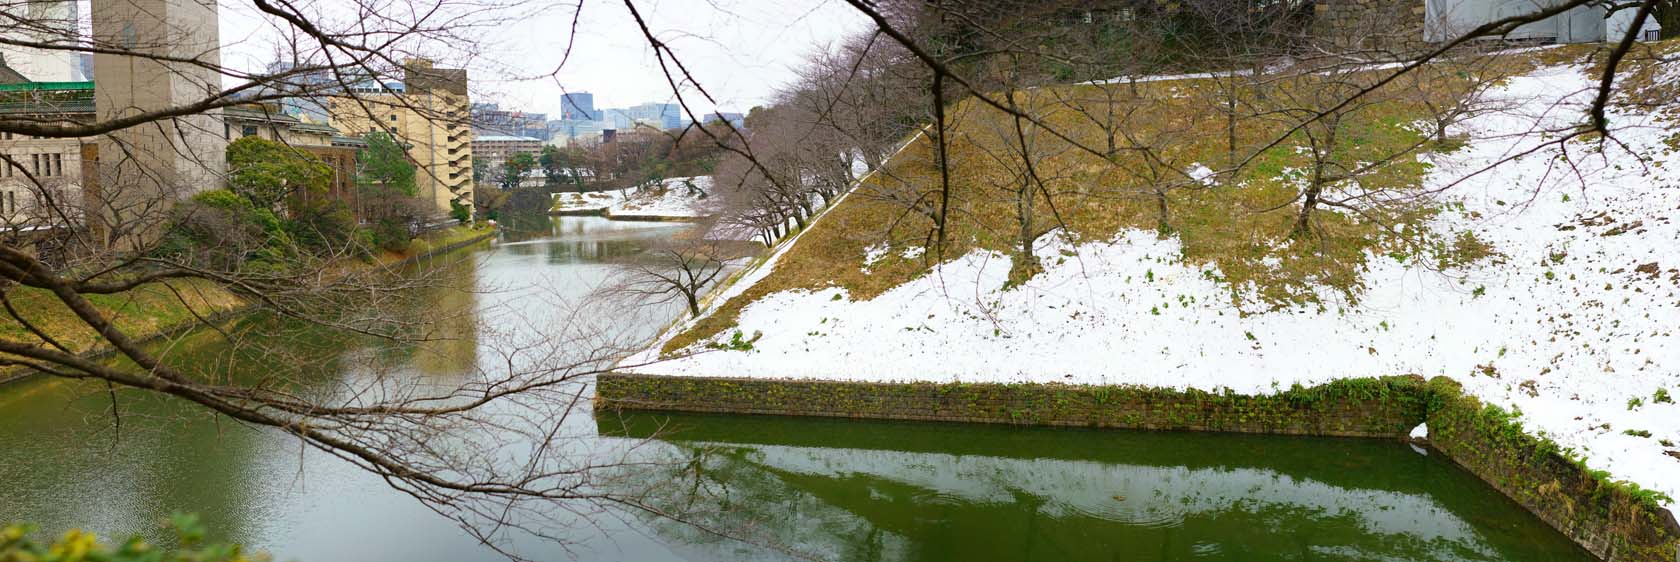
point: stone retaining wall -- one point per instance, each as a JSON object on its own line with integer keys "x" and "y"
{"x": 1616, "y": 522}
{"x": 1388, "y": 407}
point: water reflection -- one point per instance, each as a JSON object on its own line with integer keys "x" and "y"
{"x": 851, "y": 490}
{"x": 64, "y": 463}
{"x": 838, "y": 490}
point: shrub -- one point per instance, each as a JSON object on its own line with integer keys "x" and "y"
{"x": 78, "y": 545}
{"x": 222, "y": 230}
{"x": 323, "y": 229}
{"x": 391, "y": 234}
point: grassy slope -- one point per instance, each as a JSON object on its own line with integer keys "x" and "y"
{"x": 1224, "y": 223}
{"x": 149, "y": 309}
{"x": 163, "y": 306}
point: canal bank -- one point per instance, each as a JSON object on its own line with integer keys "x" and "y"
{"x": 66, "y": 463}
{"x": 235, "y": 306}
{"x": 1615, "y": 521}
{"x": 783, "y": 488}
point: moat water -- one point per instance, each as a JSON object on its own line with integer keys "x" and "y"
{"x": 790, "y": 489}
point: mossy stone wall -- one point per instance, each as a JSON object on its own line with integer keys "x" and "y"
{"x": 1615, "y": 521}
{"x": 1386, "y": 407}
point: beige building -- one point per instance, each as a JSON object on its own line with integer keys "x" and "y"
{"x": 142, "y": 170}
{"x": 40, "y": 182}
{"x": 430, "y": 113}
{"x": 493, "y": 151}
{"x": 41, "y": 178}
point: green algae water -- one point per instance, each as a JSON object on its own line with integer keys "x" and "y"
{"x": 783, "y": 489}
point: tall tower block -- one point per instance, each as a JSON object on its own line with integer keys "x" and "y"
{"x": 143, "y": 169}
{"x": 49, "y": 23}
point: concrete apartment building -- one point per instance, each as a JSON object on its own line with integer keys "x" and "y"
{"x": 493, "y": 151}
{"x": 430, "y": 112}
{"x": 143, "y": 170}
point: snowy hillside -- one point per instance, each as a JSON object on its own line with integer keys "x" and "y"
{"x": 672, "y": 198}
{"x": 1574, "y": 322}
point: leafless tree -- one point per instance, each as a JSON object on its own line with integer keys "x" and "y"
{"x": 151, "y": 156}
{"x": 681, "y": 269}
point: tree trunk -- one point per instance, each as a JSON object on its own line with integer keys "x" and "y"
{"x": 1231, "y": 131}
{"x": 1303, "y": 222}
{"x": 1161, "y": 225}
{"x": 693, "y": 302}
{"x": 1024, "y": 210}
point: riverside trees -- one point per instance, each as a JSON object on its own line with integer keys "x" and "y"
{"x": 926, "y": 76}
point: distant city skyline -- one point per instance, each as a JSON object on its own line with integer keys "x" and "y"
{"x": 740, "y": 50}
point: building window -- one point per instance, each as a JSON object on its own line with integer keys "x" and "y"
{"x": 393, "y": 118}
{"x": 1651, "y": 35}
{"x": 248, "y": 130}
{"x": 11, "y": 202}
{"x": 35, "y": 164}
{"x": 57, "y": 165}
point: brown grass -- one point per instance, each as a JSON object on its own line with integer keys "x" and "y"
{"x": 1241, "y": 225}
{"x": 149, "y": 309}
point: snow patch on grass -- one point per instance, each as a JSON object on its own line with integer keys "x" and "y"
{"x": 1576, "y": 322}
{"x": 684, "y": 197}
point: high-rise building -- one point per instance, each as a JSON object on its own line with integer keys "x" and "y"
{"x": 662, "y": 116}
{"x": 309, "y": 92}
{"x": 51, "y": 22}
{"x": 430, "y": 113}
{"x": 578, "y": 106}
{"x": 175, "y": 50}
{"x": 490, "y": 119}
{"x": 666, "y": 115}
{"x": 736, "y": 119}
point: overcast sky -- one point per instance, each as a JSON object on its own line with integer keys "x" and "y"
{"x": 741, "y": 50}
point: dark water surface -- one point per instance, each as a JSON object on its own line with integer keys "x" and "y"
{"x": 797, "y": 488}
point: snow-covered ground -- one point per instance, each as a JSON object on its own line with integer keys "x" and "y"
{"x": 671, "y": 199}
{"x": 1576, "y": 324}
{"x": 592, "y": 203}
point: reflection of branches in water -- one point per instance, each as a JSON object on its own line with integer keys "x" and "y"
{"x": 849, "y": 504}
{"x": 462, "y": 404}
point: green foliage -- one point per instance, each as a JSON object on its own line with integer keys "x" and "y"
{"x": 1661, "y": 397}
{"x": 323, "y": 229}
{"x": 386, "y": 169}
{"x": 81, "y": 546}
{"x": 737, "y": 342}
{"x": 514, "y": 169}
{"x": 460, "y": 211}
{"x": 390, "y": 234}
{"x": 1635, "y": 402}
{"x": 1636, "y": 432}
{"x": 221, "y": 229}
{"x": 266, "y": 172}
